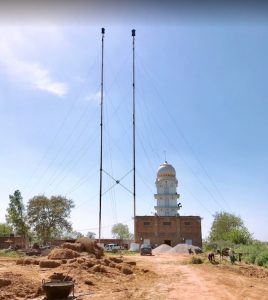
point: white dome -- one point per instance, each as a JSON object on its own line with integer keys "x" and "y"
{"x": 166, "y": 170}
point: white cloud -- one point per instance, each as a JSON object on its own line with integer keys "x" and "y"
{"x": 25, "y": 71}
{"x": 94, "y": 97}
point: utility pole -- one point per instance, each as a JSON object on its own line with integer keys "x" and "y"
{"x": 101, "y": 126}
{"x": 134, "y": 134}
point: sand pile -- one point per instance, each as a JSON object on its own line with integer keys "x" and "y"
{"x": 162, "y": 249}
{"x": 182, "y": 248}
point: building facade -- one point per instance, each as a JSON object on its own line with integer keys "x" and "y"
{"x": 167, "y": 226}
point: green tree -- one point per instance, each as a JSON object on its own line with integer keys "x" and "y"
{"x": 5, "y": 229}
{"x": 48, "y": 217}
{"x": 91, "y": 235}
{"x": 121, "y": 231}
{"x": 70, "y": 234}
{"x": 16, "y": 216}
{"x": 229, "y": 227}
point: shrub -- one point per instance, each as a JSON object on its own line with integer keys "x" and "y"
{"x": 250, "y": 252}
{"x": 196, "y": 260}
{"x": 250, "y": 259}
{"x": 262, "y": 258}
{"x": 8, "y": 253}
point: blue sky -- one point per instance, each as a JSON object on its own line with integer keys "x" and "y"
{"x": 201, "y": 96}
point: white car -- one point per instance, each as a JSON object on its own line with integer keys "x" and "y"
{"x": 112, "y": 247}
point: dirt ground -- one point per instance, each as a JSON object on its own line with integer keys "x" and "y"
{"x": 163, "y": 276}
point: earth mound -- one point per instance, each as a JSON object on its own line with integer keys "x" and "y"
{"x": 161, "y": 249}
{"x": 182, "y": 248}
{"x": 15, "y": 286}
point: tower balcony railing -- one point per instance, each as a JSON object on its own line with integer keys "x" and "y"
{"x": 167, "y": 207}
{"x": 157, "y": 196}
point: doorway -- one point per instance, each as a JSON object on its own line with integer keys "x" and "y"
{"x": 168, "y": 242}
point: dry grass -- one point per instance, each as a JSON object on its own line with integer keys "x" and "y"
{"x": 59, "y": 253}
{"x": 49, "y": 264}
{"x": 73, "y": 246}
{"x": 116, "y": 259}
{"x": 27, "y": 261}
{"x": 126, "y": 271}
{"x": 4, "y": 282}
{"x": 90, "y": 246}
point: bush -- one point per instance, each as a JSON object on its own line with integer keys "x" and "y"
{"x": 196, "y": 260}
{"x": 250, "y": 252}
{"x": 262, "y": 258}
{"x": 250, "y": 258}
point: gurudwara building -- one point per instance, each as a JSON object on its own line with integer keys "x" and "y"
{"x": 167, "y": 226}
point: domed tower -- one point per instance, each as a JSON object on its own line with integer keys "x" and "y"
{"x": 166, "y": 185}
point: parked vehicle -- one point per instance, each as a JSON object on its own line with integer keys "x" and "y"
{"x": 145, "y": 249}
{"x": 112, "y": 247}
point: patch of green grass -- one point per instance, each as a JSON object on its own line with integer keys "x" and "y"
{"x": 262, "y": 258}
{"x": 121, "y": 252}
{"x": 5, "y": 253}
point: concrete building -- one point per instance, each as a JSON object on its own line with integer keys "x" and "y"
{"x": 167, "y": 226}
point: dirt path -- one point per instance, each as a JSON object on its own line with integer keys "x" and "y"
{"x": 178, "y": 280}
{"x": 159, "y": 277}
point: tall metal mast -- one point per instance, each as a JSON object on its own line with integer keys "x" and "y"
{"x": 134, "y": 146}
{"x": 101, "y": 126}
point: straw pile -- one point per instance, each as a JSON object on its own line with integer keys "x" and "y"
{"x": 49, "y": 264}
{"x": 90, "y": 246}
{"x": 73, "y": 246}
{"x": 27, "y": 261}
{"x": 59, "y": 253}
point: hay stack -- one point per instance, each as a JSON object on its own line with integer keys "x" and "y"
{"x": 49, "y": 264}
{"x": 59, "y": 253}
{"x": 90, "y": 246}
{"x": 126, "y": 271}
{"x": 4, "y": 282}
{"x": 99, "y": 268}
{"x": 117, "y": 260}
{"x": 73, "y": 246}
{"x": 27, "y": 261}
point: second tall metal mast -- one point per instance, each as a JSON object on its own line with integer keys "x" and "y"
{"x": 101, "y": 126}
{"x": 134, "y": 134}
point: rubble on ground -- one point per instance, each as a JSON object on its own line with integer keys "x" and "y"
{"x": 82, "y": 261}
